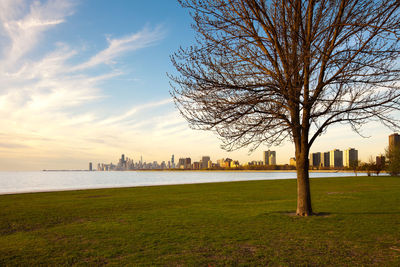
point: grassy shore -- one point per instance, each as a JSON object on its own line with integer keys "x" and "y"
{"x": 236, "y": 223}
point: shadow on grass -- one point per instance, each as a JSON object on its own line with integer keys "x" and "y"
{"x": 327, "y": 214}
{"x": 293, "y": 213}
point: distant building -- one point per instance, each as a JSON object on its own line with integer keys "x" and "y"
{"x": 350, "y": 157}
{"x": 188, "y": 163}
{"x": 196, "y": 165}
{"x": 181, "y": 163}
{"x": 204, "y": 162}
{"x": 163, "y": 165}
{"x": 394, "y": 141}
{"x": 315, "y": 159}
{"x": 272, "y": 160}
{"x": 254, "y": 163}
{"x": 292, "y": 162}
{"x": 221, "y": 162}
{"x": 227, "y": 163}
{"x": 325, "y": 159}
{"x": 336, "y": 158}
{"x": 172, "y": 161}
{"x": 209, "y": 164}
{"x": 122, "y": 163}
{"x": 90, "y": 166}
{"x": 269, "y": 157}
{"x": 235, "y": 164}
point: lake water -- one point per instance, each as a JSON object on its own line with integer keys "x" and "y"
{"x": 22, "y": 182}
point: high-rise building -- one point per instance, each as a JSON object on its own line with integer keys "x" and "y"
{"x": 188, "y": 163}
{"x": 221, "y": 162}
{"x": 196, "y": 165}
{"x": 122, "y": 163}
{"x": 292, "y": 162}
{"x": 336, "y": 158}
{"x": 269, "y": 157}
{"x": 350, "y": 157}
{"x": 325, "y": 159}
{"x": 181, "y": 163}
{"x": 209, "y": 164}
{"x": 204, "y": 162}
{"x": 394, "y": 141}
{"x": 90, "y": 166}
{"x": 272, "y": 159}
{"x": 315, "y": 159}
{"x": 163, "y": 165}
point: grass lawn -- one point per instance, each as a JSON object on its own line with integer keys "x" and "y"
{"x": 236, "y": 223}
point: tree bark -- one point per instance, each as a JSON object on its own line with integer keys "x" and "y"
{"x": 303, "y": 183}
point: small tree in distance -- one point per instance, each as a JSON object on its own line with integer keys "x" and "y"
{"x": 380, "y": 164}
{"x": 393, "y": 156}
{"x": 354, "y": 165}
{"x": 265, "y": 71}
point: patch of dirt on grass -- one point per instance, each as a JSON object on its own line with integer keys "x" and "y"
{"x": 247, "y": 249}
{"x": 319, "y": 214}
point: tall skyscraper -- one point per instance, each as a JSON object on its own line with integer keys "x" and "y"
{"x": 315, "y": 159}
{"x": 272, "y": 159}
{"x": 336, "y": 158}
{"x": 269, "y": 157}
{"x": 90, "y": 166}
{"x": 181, "y": 163}
{"x": 350, "y": 157}
{"x": 326, "y": 159}
{"x": 204, "y": 162}
{"x": 188, "y": 163}
{"x": 394, "y": 141}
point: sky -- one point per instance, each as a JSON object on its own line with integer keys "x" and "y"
{"x": 85, "y": 81}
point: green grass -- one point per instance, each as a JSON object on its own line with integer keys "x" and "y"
{"x": 238, "y": 223}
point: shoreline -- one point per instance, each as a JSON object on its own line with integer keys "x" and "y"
{"x": 161, "y": 185}
{"x": 178, "y": 170}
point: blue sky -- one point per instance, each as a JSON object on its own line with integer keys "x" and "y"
{"x": 86, "y": 81}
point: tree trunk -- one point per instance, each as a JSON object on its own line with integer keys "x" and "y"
{"x": 303, "y": 184}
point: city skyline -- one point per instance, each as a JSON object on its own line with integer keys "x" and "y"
{"x": 84, "y": 81}
{"x": 333, "y": 159}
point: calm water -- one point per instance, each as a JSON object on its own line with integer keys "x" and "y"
{"x": 20, "y": 182}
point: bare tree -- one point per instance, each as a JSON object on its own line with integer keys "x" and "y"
{"x": 354, "y": 165}
{"x": 265, "y": 71}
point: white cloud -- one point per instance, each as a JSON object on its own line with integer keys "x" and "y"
{"x": 133, "y": 111}
{"x": 24, "y": 24}
{"x": 119, "y": 46}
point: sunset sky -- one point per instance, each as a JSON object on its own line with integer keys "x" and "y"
{"x": 85, "y": 81}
